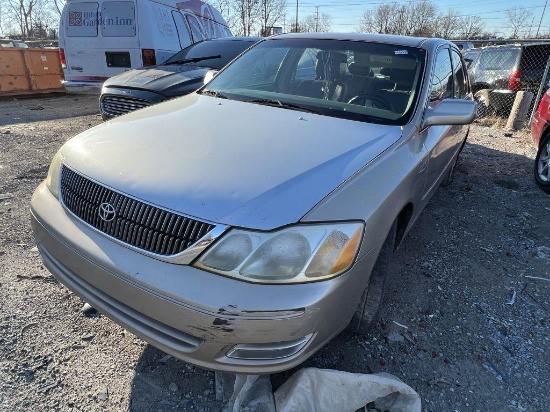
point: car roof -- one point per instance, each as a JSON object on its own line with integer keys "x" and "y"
{"x": 422, "y": 42}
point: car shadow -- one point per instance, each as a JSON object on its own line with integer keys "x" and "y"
{"x": 455, "y": 269}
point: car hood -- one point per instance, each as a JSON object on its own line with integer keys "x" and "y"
{"x": 228, "y": 162}
{"x": 159, "y": 78}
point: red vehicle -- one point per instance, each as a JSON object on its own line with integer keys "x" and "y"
{"x": 540, "y": 132}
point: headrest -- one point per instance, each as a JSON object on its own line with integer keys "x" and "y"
{"x": 333, "y": 57}
{"x": 358, "y": 70}
{"x": 329, "y": 64}
{"x": 385, "y": 71}
{"x": 362, "y": 59}
{"x": 403, "y": 77}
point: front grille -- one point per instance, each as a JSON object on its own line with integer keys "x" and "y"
{"x": 115, "y": 105}
{"x": 134, "y": 223}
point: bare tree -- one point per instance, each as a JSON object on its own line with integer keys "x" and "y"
{"x": 518, "y": 19}
{"x": 228, "y": 10}
{"x": 377, "y": 20}
{"x": 316, "y": 23}
{"x": 271, "y": 12}
{"x": 471, "y": 26}
{"x": 366, "y": 24}
{"x": 423, "y": 18}
{"x": 247, "y": 16}
{"x": 21, "y": 13}
{"x": 412, "y": 18}
{"x": 448, "y": 25}
{"x": 58, "y": 5}
{"x": 383, "y": 18}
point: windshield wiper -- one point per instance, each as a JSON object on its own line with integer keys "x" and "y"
{"x": 193, "y": 60}
{"x": 284, "y": 105}
{"x": 214, "y": 94}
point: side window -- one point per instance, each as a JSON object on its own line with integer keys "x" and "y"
{"x": 442, "y": 80}
{"x": 196, "y": 28}
{"x": 306, "y": 65}
{"x": 460, "y": 80}
{"x": 210, "y": 28}
{"x": 471, "y": 59}
{"x": 499, "y": 59}
{"x": 266, "y": 68}
{"x": 183, "y": 31}
{"x": 118, "y": 19}
{"x": 80, "y": 20}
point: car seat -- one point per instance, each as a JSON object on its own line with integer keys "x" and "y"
{"x": 328, "y": 84}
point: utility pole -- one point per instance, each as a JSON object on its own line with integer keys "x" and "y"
{"x": 296, "y": 28}
{"x": 540, "y": 22}
{"x": 317, "y": 19}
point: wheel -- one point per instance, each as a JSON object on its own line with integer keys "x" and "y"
{"x": 484, "y": 107}
{"x": 542, "y": 165}
{"x": 370, "y": 303}
{"x": 374, "y": 99}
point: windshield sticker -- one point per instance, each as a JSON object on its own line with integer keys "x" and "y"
{"x": 401, "y": 52}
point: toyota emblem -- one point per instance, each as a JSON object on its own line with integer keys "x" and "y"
{"x": 107, "y": 212}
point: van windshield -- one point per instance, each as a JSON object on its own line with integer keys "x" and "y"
{"x": 362, "y": 81}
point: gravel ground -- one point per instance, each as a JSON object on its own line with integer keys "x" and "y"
{"x": 465, "y": 321}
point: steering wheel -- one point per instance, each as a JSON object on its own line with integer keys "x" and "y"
{"x": 378, "y": 102}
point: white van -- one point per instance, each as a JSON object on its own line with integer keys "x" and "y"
{"x": 102, "y": 38}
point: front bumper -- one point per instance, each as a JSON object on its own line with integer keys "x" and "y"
{"x": 76, "y": 87}
{"x": 502, "y": 99}
{"x": 194, "y": 315}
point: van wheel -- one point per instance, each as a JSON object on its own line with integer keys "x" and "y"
{"x": 483, "y": 100}
{"x": 367, "y": 311}
{"x": 542, "y": 165}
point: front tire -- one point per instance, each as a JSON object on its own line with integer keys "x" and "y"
{"x": 367, "y": 311}
{"x": 542, "y": 165}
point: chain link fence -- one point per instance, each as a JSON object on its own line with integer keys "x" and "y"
{"x": 498, "y": 73}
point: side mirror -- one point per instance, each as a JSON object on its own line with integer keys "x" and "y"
{"x": 450, "y": 112}
{"x": 210, "y": 74}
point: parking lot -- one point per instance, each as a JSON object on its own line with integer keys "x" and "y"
{"x": 465, "y": 322}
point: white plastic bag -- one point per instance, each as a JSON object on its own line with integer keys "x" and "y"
{"x": 323, "y": 390}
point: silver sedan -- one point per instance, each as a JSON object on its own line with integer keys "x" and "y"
{"x": 243, "y": 226}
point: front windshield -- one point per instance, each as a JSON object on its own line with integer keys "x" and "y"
{"x": 213, "y": 54}
{"x": 354, "y": 80}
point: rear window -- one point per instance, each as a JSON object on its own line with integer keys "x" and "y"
{"x": 499, "y": 59}
{"x": 81, "y": 20}
{"x": 115, "y": 19}
{"x": 535, "y": 57}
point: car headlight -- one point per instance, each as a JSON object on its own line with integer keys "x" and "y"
{"x": 300, "y": 253}
{"x": 52, "y": 181}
